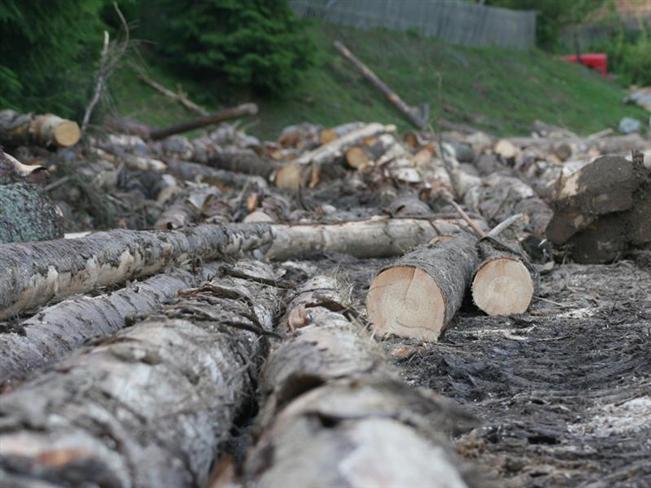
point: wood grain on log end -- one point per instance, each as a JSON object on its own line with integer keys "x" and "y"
{"x": 66, "y": 133}
{"x": 503, "y": 286}
{"x": 406, "y": 302}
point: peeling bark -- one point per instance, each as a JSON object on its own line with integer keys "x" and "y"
{"x": 149, "y": 406}
{"x": 26, "y": 214}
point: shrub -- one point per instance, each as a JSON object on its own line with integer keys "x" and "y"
{"x": 253, "y": 43}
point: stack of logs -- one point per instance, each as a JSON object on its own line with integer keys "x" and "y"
{"x": 131, "y": 357}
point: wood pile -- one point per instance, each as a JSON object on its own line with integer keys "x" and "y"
{"x": 196, "y": 326}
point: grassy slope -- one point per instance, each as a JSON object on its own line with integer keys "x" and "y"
{"x": 498, "y": 90}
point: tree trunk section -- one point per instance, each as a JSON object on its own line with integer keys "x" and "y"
{"x": 26, "y": 214}
{"x": 150, "y": 406}
{"x": 334, "y": 414}
{"x": 36, "y": 273}
{"x": 419, "y": 294}
{"x": 42, "y": 130}
{"x": 61, "y": 328}
{"x": 190, "y": 171}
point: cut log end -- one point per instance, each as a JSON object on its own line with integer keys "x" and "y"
{"x": 502, "y": 286}
{"x": 66, "y": 133}
{"x": 357, "y": 158}
{"x": 406, "y": 302}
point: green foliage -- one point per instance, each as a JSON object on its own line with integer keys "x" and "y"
{"x": 254, "y": 43}
{"x": 47, "y": 53}
{"x": 629, "y": 56}
{"x": 552, "y": 15}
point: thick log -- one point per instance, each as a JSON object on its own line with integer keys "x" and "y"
{"x": 56, "y": 330}
{"x": 334, "y": 415}
{"x": 43, "y": 130}
{"x": 379, "y": 237}
{"x": 150, "y": 406}
{"x": 36, "y": 273}
{"x": 221, "y": 116}
{"x": 417, "y": 116}
{"x": 241, "y": 161}
{"x": 27, "y": 214}
{"x": 419, "y": 294}
{"x": 332, "y": 133}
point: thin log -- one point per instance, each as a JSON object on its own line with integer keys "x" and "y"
{"x": 151, "y": 405}
{"x": 335, "y": 415}
{"x": 43, "y": 130}
{"x": 178, "y": 96}
{"x": 221, "y": 116}
{"x": 59, "y": 329}
{"x": 27, "y": 214}
{"x": 242, "y": 161}
{"x": 36, "y": 273}
{"x": 187, "y": 170}
{"x": 419, "y": 294}
{"x": 414, "y": 115}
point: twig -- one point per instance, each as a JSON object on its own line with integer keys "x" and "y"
{"x": 179, "y": 96}
{"x": 477, "y": 230}
{"x": 499, "y": 228}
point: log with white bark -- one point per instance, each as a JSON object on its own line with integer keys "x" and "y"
{"x": 187, "y": 207}
{"x": 27, "y": 214}
{"x": 44, "y": 130}
{"x": 56, "y": 330}
{"x": 330, "y": 134}
{"x": 149, "y": 406}
{"x": 36, "y": 273}
{"x": 190, "y": 171}
{"x": 335, "y": 415}
{"x": 419, "y": 294}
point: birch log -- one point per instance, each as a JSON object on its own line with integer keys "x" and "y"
{"x": 43, "y": 130}
{"x": 150, "y": 406}
{"x": 418, "y": 295}
{"x": 334, "y": 414}
{"x": 36, "y": 273}
{"x": 61, "y": 328}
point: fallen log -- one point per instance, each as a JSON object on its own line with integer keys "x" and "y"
{"x": 36, "y": 273}
{"x": 332, "y": 133}
{"x": 151, "y": 405}
{"x": 187, "y": 208}
{"x": 189, "y": 171}
{"x": 332, "y": 409}
{"x": 56, "y": 330}
{"x": 216, "y": 118}
{"x": 417, "y": 116}
{"x": 27, "y": 214}
{"x": 241, "y": 161}
{"x": 419, "y": 294}
{"x": 43, "y": 130}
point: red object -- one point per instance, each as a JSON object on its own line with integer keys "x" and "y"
{"x": 596, "y": 61}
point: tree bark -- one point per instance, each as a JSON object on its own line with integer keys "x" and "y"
{"x": 418, "y": 295}
{"x": 36, "y": 273}
{"x": 241, "y": 161}
{"x": 61, "y": 328}
{"x": 190, "y": 171}
{"x": 149, "y": 406}
{"x": 42, "y": 130}
{"x": 26, "y": 214}
{"x": 334, "y": 415}
{"x": 187, "y": 208}
{"x": 216, "y": 118}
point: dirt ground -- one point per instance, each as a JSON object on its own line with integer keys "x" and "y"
{"x": 563, "y": 392}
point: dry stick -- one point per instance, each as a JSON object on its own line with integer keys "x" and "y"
{"x": 334, "y": 413}
{"x": 149, "y": 406}
{"x": 412, "y": 113}
{"x": 216, "y": 118}
{"x": 179, "y": 96}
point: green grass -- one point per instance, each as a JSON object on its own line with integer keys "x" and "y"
{"x": 501, "y": 91}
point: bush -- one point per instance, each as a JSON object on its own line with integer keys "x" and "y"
{"x": 258, "y": 44}
{"x": 48, "y": 53}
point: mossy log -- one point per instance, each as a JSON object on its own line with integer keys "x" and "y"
{"x": 26, "y": 214}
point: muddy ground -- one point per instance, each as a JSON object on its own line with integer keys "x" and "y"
{"x": 563, "y": 392}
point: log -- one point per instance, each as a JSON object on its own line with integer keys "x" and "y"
{"x": 335, "y": 415}
{"x": 241, "y": 161}
{"x": 189, "y": 171}
{"x": 27, "y": 214}
{"x": 36, "y": 273}
{"x": 42, "y": 130}
{"x": 374, "y": 238}
{"x": 417, "y": 116}
{"x": 216, "y": 118}
{"x": 59, "y": 329}
{"x": 332, "y": 133}
{"x": 504, "y": 282}
{"x": 336, "y": 149}
{"x": 419, "y": 294}
{"x": 187, "y": 208}
{"x": 151, "y": 405}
